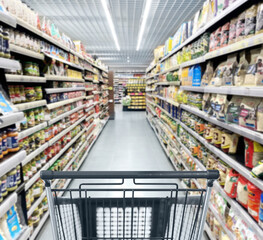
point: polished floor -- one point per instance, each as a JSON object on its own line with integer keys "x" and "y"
{"x": 126, "y": 144}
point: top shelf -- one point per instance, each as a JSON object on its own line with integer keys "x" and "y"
{"x": 8, "y": 19}
{"x": 218, "y": 18}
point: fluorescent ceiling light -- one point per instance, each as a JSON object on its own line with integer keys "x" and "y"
{"x": 144, "y": 20}
{"x": 112, "y": 28}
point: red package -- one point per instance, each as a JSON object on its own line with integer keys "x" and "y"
{"x": 253, "y": 153}
{"x": 225, "y": 35}
{"x": 253, "y": 200}
{"x": 231, "y": 183}
{"x": 242, "y": 192}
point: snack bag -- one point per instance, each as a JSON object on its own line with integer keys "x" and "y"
{"x": 221, "y": 106}
{"x": 225, "y": 35}
{"x": 240, "y": 27}
{"x": 257, "y": 171}
{"x": 229, "y": 142}
{"x": 232, "y": 31}
{"x": 217, "y": 79}
{"x": 206, "y": 107}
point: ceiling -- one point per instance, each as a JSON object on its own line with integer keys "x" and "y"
{"x": 86, "y": 20}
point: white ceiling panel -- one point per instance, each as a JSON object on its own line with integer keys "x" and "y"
{"x": 85, "y": 20}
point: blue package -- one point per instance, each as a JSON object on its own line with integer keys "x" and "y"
{"x": 190, "y": 75}
{"x": 197, "y": 76}
{"x": 13, "y": 223}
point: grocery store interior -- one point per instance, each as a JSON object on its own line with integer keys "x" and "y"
{"x": 135, "y": 119}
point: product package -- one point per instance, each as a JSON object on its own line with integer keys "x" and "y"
{"x": 259, "y": 69}
{"x": 241, "y": 70}
{"x": 242, "y": 192}
{"x": 225, "y": 35}
{"x": 206, "y": 106}
{"x": 221, "y": 106}
{"x": 232, "y": 31}
{"x": 197, "y": 75}
{"x": 217, "y": 137}
{"x": 217, "y": 79}
{"x": 233, "y": 109}
{"x": 257, "y": 171}
{"x": 250, "y": 20}
{"x": 253, "y": 153}
{"x": 240, "y": 27}
{"x": 259, "y": 24}
{"x": 250, "y": 78}
{"x": 229, "y": 142}
{"x": 253, "y": 200}
{"x": 230, "y": 69}
{"x": 231, "y": 183}
{"x": 208, "y": 74}
{"x": 260, "y": 220}
{"x": 248, "y": 112}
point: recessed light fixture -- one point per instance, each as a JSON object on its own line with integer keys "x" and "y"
{"x": 112, "y": 28}
{"x": 144, "y": 20}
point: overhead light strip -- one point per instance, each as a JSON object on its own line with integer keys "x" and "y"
{"x": 144, "y": 20}
{"x": 112, "y": 28}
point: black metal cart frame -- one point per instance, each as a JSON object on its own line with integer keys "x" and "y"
{"x": 128, "y": 205}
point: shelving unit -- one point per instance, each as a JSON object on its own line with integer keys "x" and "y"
{"x": 79, "y": 106}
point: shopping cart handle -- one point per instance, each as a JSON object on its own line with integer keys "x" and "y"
{"x": 49, "y": 175}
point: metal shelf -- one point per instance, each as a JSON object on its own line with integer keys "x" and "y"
{"x": 88, "y": 78}
{"x": 150, "y": 68}
{"x": 7, "y": 203}
{"x": 192, "y": 89}
{"x": 91, "y": 116}
{"x": 34, "y": 153}
{"x": 89, "y": 97}
{"x": 30, "y": 105}
{"x": 11, "y": 118}
{"x": 245, "y": 172}
{"x": 31, "y": 130}
{"x": 88, "y": 89}
{"x": 239, "y": 210}
{"x": 11, "y": 161}
{"x": 64, "y": 132}
{"x": 64, "y": 102}
{"x": 61, "y": 90}
{"x": 25, "y": 234}
{"x": 63, "y": 61}
{"x": 222, "y": 15}
{"x": 89, "y": 107}
{"x": 26, "y": 52}
{"x": 177, "y": 83}
{"x": 40, "y": 225}
{"x": 24, "y": 79}
{"x": 8, "y": 19}
{"x": 222, "y": 223}
{"x": 209, "y": 232}
{"x": 63, "y": 115}
{"x": 6, "y": 63}
{"x": 255, "y": 136}
{"x": 63, "y": 78}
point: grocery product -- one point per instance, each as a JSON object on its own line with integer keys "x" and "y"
{"x": 260, "y": 219}
{"x": 229, "y": 142}
{"x": 250, "y": 20}
{"x": 259, "y": 22}
{"x": 229, "y": 73}
{"x": 217, "y": 79}
{"x": 197, "y": 75}
{"x": 257, "y": 170}
{"x": 253, "y": 153}
{"x": 240, "y": 27}
{"x": 242, "y": 192}
{"x": 208, "y": 74}
{"x": 233, "y": 109}
{"x": 232, "y": 31}
{"x": 248, "y": 112}
{"x": 220, "y": 106}
{"x": 12, "y": 140}
{"x": 231, "y": 183}
{"x": 241, "y": 70}
{"x": 253, "y": 200}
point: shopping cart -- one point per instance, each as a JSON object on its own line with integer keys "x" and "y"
{"x": 128, "y": 205}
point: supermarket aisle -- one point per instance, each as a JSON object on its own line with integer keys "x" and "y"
{"x": 127, "y": 143}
